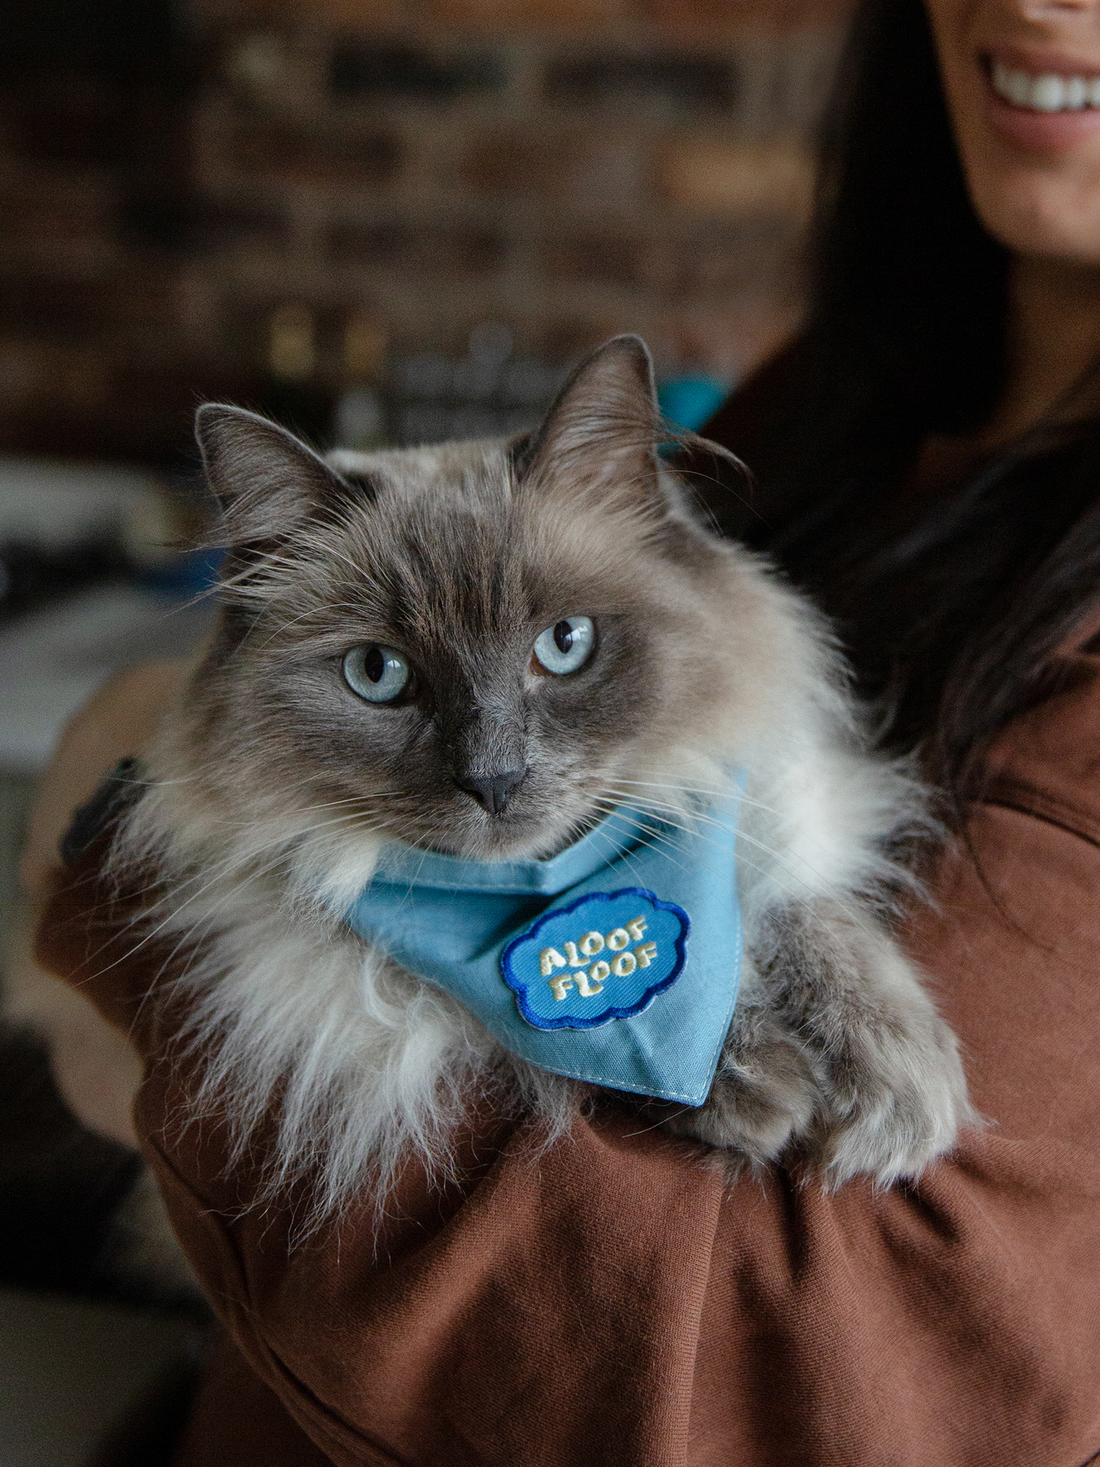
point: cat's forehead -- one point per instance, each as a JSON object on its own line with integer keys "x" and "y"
{"x": 444, "y": 538}
{"x": 476, "y": 471}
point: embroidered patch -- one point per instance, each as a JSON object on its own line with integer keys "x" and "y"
{"x": 605, "y": 956}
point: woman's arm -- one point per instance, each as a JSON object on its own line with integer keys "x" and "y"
{"x": 614, "y": 1304}
{"x": 116, "y": 722}
{"x": 94, "y": 1067}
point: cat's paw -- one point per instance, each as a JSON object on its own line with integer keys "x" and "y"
{"x": 892, "y": 1086}
{"x": 896, "y": 1099}
{"x": 764, "y": 1094}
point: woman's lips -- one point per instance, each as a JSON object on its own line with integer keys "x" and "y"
{"x": 1042, "y": 106}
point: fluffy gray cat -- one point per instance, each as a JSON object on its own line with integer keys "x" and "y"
{"x": 287, "y": 764}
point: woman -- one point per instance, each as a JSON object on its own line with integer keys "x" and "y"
{"x": 958, "y": 362}
{"x": 924, "y": 456}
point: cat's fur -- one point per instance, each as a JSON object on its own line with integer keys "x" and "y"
{"x": 272, "y": 787}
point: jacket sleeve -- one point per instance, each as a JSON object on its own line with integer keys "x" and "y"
{"x": 615, "y": 1303}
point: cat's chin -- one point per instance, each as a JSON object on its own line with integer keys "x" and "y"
{"x": 518, "y": 840}
{"x": 497, "y": 848}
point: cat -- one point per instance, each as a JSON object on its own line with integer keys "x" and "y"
{"x": 376, "y": 675}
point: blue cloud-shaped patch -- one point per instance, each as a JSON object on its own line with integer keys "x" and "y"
{"x": 605, "y": 956}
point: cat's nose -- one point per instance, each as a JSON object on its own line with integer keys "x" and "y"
{"x": 492, "y": 791}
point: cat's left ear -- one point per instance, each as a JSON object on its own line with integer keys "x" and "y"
{"x": 266, "y": 480}
{"x": 599, "y": 438}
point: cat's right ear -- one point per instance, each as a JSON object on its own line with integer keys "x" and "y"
{"x": 598, "y": 441}
{"x": 267, "y": 481}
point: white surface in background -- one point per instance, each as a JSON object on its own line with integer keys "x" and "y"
{"x": 70, "y": 1369}
{"x": 53, "y": 660}
{"x": 56, "y": 505}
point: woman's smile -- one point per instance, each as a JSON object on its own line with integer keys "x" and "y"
{"x": 1041, "y": 102}
{"x": 1044, "y": 91}
{"x": 1022, "y": 84}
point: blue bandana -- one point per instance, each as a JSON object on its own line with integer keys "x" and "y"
{"x": 616, "y": 961}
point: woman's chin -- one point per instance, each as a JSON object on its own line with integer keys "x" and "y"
{"x": 1041, "y": 210}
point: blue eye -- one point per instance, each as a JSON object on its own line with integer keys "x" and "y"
{"x": 378, "y": 674}
{"x": 567, "y": 645}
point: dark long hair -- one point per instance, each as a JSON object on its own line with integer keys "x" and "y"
{"x": 951, "y": 604}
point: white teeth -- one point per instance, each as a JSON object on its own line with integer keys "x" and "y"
{"x": 1020, "y": 88}
{"x": 1046, "y": 93}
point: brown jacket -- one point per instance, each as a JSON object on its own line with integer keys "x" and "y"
{"x": 612, "y": 1305}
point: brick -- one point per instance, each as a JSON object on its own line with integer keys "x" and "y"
{"x": 141, "y": 298}
{"x": 54, "y": 208}
{"x": 529, "y": 162}
{"x": 418, "y": 249}
{"x": 52, "y": 397}
{"x": 559, "y": 168}
{"x": 722, "y": 177}
{"x": 88, "y": 403}
{"x": 347, "y": 14}
{"x": 352, "y": 14}
{"x": 362, "y": 73}
{"x": 715, "y": 19}
{"x": 704, "y": 265}
{"x": 79, "y": 379}
{"x": 721, "y": 263}
{"x": 611, "y": 173}
{"x": 51, "y": 307}
{"x": 75, "y": 120}
{"x": 603, "y": 258}
{"x": 354, "y": 159}
{"x": 655, "y": 82}
{"x": 520, "y": 15}
{"x": 564, "y": 339}
{"x": 161, "y": 401}
{"x": 54, "y": 308}
{"x": 222, "y": 228}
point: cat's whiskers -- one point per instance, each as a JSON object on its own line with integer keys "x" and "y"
{"x": 363, "y": 801}
{"x": 919, "y": 822}
{"x": 667, "y": 811}
{"x": 193, "y": 935}
{"x": 871, "y": 886}
{"x": 794, "y": 896}
{"x": 652, "y": 835}
{"x": 700, "y": 791}
{"x": 657, "y": 840}
{"x": 285, "y": 626}
{"x": 613, "y": 847}
{"x": 713, "y": 820}
{"x": 236, "y": 862}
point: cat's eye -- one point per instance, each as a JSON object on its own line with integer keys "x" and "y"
{"x": 567, "y": 645}
{"x": 378, "y": 674}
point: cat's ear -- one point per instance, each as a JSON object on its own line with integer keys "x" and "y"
{"x": 266, "y": 481}
{"x": 599, "y": 438}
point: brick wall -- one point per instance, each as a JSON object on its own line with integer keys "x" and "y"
{"x": 570, "y": 168}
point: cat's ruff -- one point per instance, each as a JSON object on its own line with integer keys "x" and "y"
{"x": 274, "y": 785}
